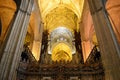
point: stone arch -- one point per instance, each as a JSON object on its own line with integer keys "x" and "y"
{"x": 87, "y": 34}
{"x": 7, "y": 11}
{"x": 113, "y": 9}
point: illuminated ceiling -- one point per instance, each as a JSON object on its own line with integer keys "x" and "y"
{"x": 54, "y": 13}
{"x": 61, "y": 52}
{"x": 65, "y": 13}
{"x": 61, "y": 45}
{"x": 60, "y": 16}
{"x": 61, "y": 13}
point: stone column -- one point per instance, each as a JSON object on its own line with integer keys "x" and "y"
{"x": 14, "y": 41}
{"x": 41, "y": 35}
{"x": 37, "y": 43}
{"x": 109, "y": 47}
{"x": 36, "y": 49}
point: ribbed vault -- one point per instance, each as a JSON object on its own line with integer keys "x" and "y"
{"x": 61, "y": 52}
{"x": 61, "y": 13}
{"x": 61, "y": 16}
{"x": 47, "y": 5}
{"x": 57, "y": 13}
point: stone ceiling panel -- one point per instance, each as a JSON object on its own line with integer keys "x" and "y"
{"x": 61, "y": 16}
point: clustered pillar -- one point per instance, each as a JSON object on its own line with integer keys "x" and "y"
{"x": 108, "y": 43}
{"x": 14, "y": 41}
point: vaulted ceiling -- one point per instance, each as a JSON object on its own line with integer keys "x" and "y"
{"x": 54, "y": 14}
{"x": 61, "y": 13}
{"x": 66, "y": 13}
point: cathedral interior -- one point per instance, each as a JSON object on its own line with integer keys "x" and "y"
{"x": 59, "y": 39}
